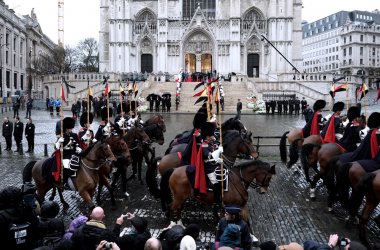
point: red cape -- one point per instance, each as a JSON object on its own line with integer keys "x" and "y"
{"x": 200, "y": 177}
{"x": 374, "y": 144}
{"x": 193, "y": 160}
{"x": 315, "y": 130}
{"x": 330, "y": 132}
{"x": 57, "y": 173}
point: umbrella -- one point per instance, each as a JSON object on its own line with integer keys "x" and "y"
{"x": 166, "y": 94}
{"x": 150, "y": 97}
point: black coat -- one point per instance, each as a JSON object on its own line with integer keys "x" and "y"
{"x": 245, "y": 237}
{"x": 7, "y": 129}
{"x": 29, "y": 130}
{"x": 18, "y": 131}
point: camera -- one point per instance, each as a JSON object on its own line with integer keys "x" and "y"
{"x": 343, "y": 242}
{"x": 108, "y": 245}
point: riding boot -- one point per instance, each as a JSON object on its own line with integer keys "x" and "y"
{"x": 217, "y": 198}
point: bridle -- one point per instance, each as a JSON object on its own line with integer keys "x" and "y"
{"x": 106, "y": 161}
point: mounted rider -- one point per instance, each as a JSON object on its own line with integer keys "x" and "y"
{"x": 209, "y": 155}
{"x": 71, "y": 147}
{"x": 105, "y": 126}
{"x": 351, "y": 134}
{"x": 333, "y": 130}
{"x": 313, "y": 126}
{"x": 85, "y": 134}
{"x": 120, "y": 124}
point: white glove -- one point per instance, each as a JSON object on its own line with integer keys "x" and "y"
{"x": 61, "y": 139}
{"x": 57, "y": 145}
{"x": 216, "y": 154}
{"x": 220, "y": 148}
{"x": 219, "y": 160}
{"x": 78, "y": 150}
{"x": 94, "y": 140}
{"x": 88, "y": 133}
{"x": 121, "y": 122}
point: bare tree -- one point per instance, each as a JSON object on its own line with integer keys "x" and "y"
{"x": 88, "y": 53}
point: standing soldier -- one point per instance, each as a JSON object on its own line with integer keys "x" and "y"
{"x": 157, "y": 103}
{"x": 239, "y": 107}
{"x": 273, "y": 106}
{"x": 51, "y": 106}
{"x": 303, "y": 105}
{"x": 291, "y": 106}
{"x": 16, "y": 107}
{"x": 17, "y": 133}
{"x": 57, "y": 106}
{"x": 29, "y": 106}
{"x": 70, "y": 147}
{"x": 267, "y": 106}
{"x": 297, "y": 106}
{"x": 79, "y": 105}
{"x": 279, "y": 107}
{"x": 163, "y": 104}
{"x": 29, "y": 134}
{"x": 7, "y": 133}
{"x": 85, "y": 134}
{"x": 285, "y": 106}
{"x": 84, "y": 105}
{"x": 168, "y": 103}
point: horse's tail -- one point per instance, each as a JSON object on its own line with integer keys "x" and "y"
{"x": 283, "y": 152}
{"x": 27, "y": 172}
{"x": 331, "y": 172}
{"x": 166, "y": 197}
{"x": 293, "y": 153}
{"x": 365, "y": 183}
{"x": 151, "y": 181}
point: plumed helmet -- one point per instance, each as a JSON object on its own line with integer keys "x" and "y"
{"x": 10, "y": 196}
{"x": 68, "y": 123}
{"x": 49, "y": 209}
{"x": 140, "y": 224}
{"x": 103, "y": 113}
{"x": 319, "y": 104}
{"x": 125, "y": 107}
{"x": 338, "y": 106}
{"x": 199, "y": 119}
{"x": 233, "y": 209}
{"x": 374, "y": 120}
{"x": 352, "y": 113}
{"x": 208, "y": 129}
{"x": 83, "y": 119}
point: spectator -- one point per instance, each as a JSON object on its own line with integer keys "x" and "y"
{"x": 74, "y": 225}
{"x": 79, "y": 105}
{"x": 16, "y": 107}
{"x": 239, "y": 107}
{"x": 102, "y": 245}
{"x": 230, "y": 237}
{"x": 303, "y": 105}
{"x": 29, "y": 106}
{"x": 74, "y": 110}
{"x": 171, "y": 237}
{"x": 232, "y": 216}
{"x": 193, "y": 230}
{"x": 291, "y": 246}
{"x": 51, "y": 106}
{"x": 47, "y": 103}
{"x": 7, "y": 133}
{"x": 57, "y": 104}
{"x": 153, "y": 244}
{"x": 93, "y": 232}
{"x": 29, "y": 134}
{"x": 308, "y": 113}
{"x": 17, "y": 133}
{"x": 22, "y": 102}
{"x": 297, "y": 104}
{"x": 168, "y": 103}
{"x": 137, "y": 237}
{"x": 334, "y": 241}
{"x": 268, "y": 245}
{"x": 84, "y": 105}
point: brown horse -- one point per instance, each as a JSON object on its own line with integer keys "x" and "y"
{"x": 95, "y": 158}
{"x": 156, "y": 119}
{"x": 368, "y": 184}
{"x": 233, "y": 144}
{"x": 176, "y": 187}
{"x": 120, "y": 149}
{"x": 289, "y": 136}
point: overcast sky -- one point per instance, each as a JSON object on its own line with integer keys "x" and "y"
{"x": 82, "y": 16}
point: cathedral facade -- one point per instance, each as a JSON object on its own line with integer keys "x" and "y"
{"x": 200, "y": 36}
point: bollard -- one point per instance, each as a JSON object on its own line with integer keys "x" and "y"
{"x": 2, "y": 110}
{"x": 45, "y": 150}
{"x": 21, "y": 150}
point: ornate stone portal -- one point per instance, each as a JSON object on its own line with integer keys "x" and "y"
{"x": 198, "y": 53}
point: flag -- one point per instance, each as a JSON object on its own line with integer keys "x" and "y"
{"x": 363, "y": 90}
{"x": 90, "y": 97}
{"x": 68, "y": 86}
{"x": 106, "y": 91}
{"x": 378, "y": 94}
{"x": 201, "y": 93}
{"x": 122, "y": 92}
{"x": 135, "y": 88}
{"x": 216, "y": 97}
{"x": 63, "y": 98}
{"x": 130, "y": 88}
{"x": 342, "y": 87}
{"x": 332, "y": 91}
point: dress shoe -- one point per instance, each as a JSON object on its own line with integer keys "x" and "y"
{"x": 27, "y": 151}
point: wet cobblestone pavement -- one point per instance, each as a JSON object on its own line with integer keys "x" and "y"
{"x": 284, "y": 214}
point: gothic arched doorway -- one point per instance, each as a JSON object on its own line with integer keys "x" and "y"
{"x": 146, "y": 63}
{"x": 206, "y": 62}
{"x": 190, "y": 62}
{"x": 253, "y": 65}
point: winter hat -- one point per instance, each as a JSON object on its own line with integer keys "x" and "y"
{"x": 103, "y": 113}
{"x": 192, "y": 230}
{"x": 208, "y": 129}
{"x": 268, "y": 245}
{"x": 319, "y": 104}
{"x": 374, "y": 120}
{"x": 352, "y": 113}
{"x": 83, "y": 119}
{"x": 233, "y": 209}
{"x": 68, "y": 123}
{"x": 199, "y": 119}
{"x": 338, "y": 106}
{"x": 140, "y": 224}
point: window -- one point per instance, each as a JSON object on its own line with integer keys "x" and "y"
{"x": 14, "y": 43}
{"x": 361, "y": 61}
{"x": 21, "y": 46}
{"x": 208, "y": 7}
{"x": 361, "y": 38}
{"x": 350, "y": 38}
{"x": 8, "y": 79}
{"x": 344, "y": 52}
{"x": 15, "y": 80}
{"x": 14, "y": 60}
{"x": 374, "y": 39}
{"x": 373, "y": 51}
{"x": 361, "y": 51}
{"x": 344, "y": 39}
{"x": 6, "y": 57}
{"x": 350, "y": 51}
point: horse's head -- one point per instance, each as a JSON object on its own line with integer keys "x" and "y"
{"x": 247, "y": 146}
{"x": 119, "y": 148}
{"x": 235, "y": 124}
{"x": 155, "y": 133}
{"x": 263, "y": 177}
{"x": 105, "y": 152}
{"x": 157, "y": 119}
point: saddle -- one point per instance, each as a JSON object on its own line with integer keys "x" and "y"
{"x": 51, "y": 168}
{"x": 190, "y": 173}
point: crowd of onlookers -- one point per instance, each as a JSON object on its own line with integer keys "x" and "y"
{"x": 26, "y": 225}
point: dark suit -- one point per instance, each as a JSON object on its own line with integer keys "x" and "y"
{"x": 29, "y": 134}
{"x": 7, "y": 133}
{"x": 17, "y": 133}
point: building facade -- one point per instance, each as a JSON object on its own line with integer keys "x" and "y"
{"x": 21, "y": 41}
{"x": 346, "y": 43}
{"x": 200, "y": 36}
